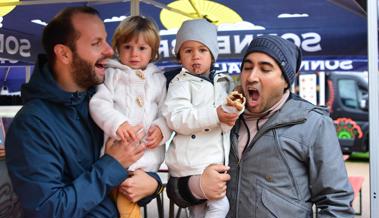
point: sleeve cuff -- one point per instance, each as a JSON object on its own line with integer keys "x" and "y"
{"x": 113, "y": 172}
{"x": 178, "y": 191}
{"x": 159, "y": 189}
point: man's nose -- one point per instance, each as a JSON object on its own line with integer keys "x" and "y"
{"x": 108, "y": 51}
{"x": 253, "y": 75}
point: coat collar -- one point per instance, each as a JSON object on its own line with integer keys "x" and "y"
{"x": 294, "y": 110}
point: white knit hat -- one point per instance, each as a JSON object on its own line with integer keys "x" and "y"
{"x": 199, "y": 30}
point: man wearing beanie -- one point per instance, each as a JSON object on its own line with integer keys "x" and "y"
{"x": 193, "y": 110}
{"x": 285, "y": 156}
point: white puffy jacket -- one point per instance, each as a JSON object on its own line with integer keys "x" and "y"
{"x": 136, "y": 97}
{"x": 190, "y": 110}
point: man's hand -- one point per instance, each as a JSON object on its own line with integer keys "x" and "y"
{"x": 124, "y": 152}
{"x": 154, "y": 137}
{"x": 213, "y": 181}
{"x": 226, "y": 118}
{"x": 138, "y": 186}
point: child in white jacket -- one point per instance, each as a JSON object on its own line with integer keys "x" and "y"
{"x": 193, "y": 109}
{"x": 132, "y": 94}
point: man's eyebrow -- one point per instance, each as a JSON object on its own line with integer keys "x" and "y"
{"x": 266, "y": 63}
{"x": 247, "y": 61}
{"x": 96, "y": 39}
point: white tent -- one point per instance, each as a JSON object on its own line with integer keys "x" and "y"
{"x": 372, "y": 16}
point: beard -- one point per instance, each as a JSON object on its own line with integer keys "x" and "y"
{"x": 84, "y": 72}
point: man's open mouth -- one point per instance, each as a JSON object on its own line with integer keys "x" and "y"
{"x": 99, "y": 65}
{"x": 253, "y": 96}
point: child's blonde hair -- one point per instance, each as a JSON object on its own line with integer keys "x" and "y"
{"x": 132, "y": 27}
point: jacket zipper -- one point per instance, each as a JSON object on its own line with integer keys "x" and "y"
{"x": 234, "y": 150}
{"x": 238, "y": 188}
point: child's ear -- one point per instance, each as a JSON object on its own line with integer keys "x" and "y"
{"x": 154, "y": 58}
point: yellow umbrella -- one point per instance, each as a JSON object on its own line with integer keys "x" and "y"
{"x": 215, "y": 12}
{"x": 6, "y": 9}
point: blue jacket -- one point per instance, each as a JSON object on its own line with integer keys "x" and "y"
{"x": 53, "y": 153}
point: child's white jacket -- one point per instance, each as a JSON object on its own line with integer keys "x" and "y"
{"x": 136, "y": 97}
{"x": 190, "y": 110}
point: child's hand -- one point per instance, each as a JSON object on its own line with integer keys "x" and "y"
{"x": 127, "y": 132}
{"x": 226, "y": 118}
{"x": 154, "y": 137}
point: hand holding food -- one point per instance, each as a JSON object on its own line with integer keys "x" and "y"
{"x": 236, "y": 99}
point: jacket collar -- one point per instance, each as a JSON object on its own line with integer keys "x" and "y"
{"x": 294, "y": 110}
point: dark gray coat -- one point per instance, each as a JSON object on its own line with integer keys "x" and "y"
{"x": 293, "y": 162}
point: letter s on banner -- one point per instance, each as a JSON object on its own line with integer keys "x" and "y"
{"x": 25, "y": 47}
{"x": 311, "y": 42}
{"x": 13, "y": 46}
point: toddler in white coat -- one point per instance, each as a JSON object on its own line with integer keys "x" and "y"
{"x": 193, "y": 109}
{"x": 130, "y": 100}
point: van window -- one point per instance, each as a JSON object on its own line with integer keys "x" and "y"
{"x": 349, "y": 93}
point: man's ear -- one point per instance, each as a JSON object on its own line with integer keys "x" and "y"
{"x": 287, "y": 85}
{"x": 63, "y": 53}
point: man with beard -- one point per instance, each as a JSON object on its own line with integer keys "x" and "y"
{"x": 53, "y": 146}
{"x": 285, "y": 156}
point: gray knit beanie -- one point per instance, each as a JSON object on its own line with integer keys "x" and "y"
{"x": 199, "y": 30}
{"x": 284, "y": 52}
